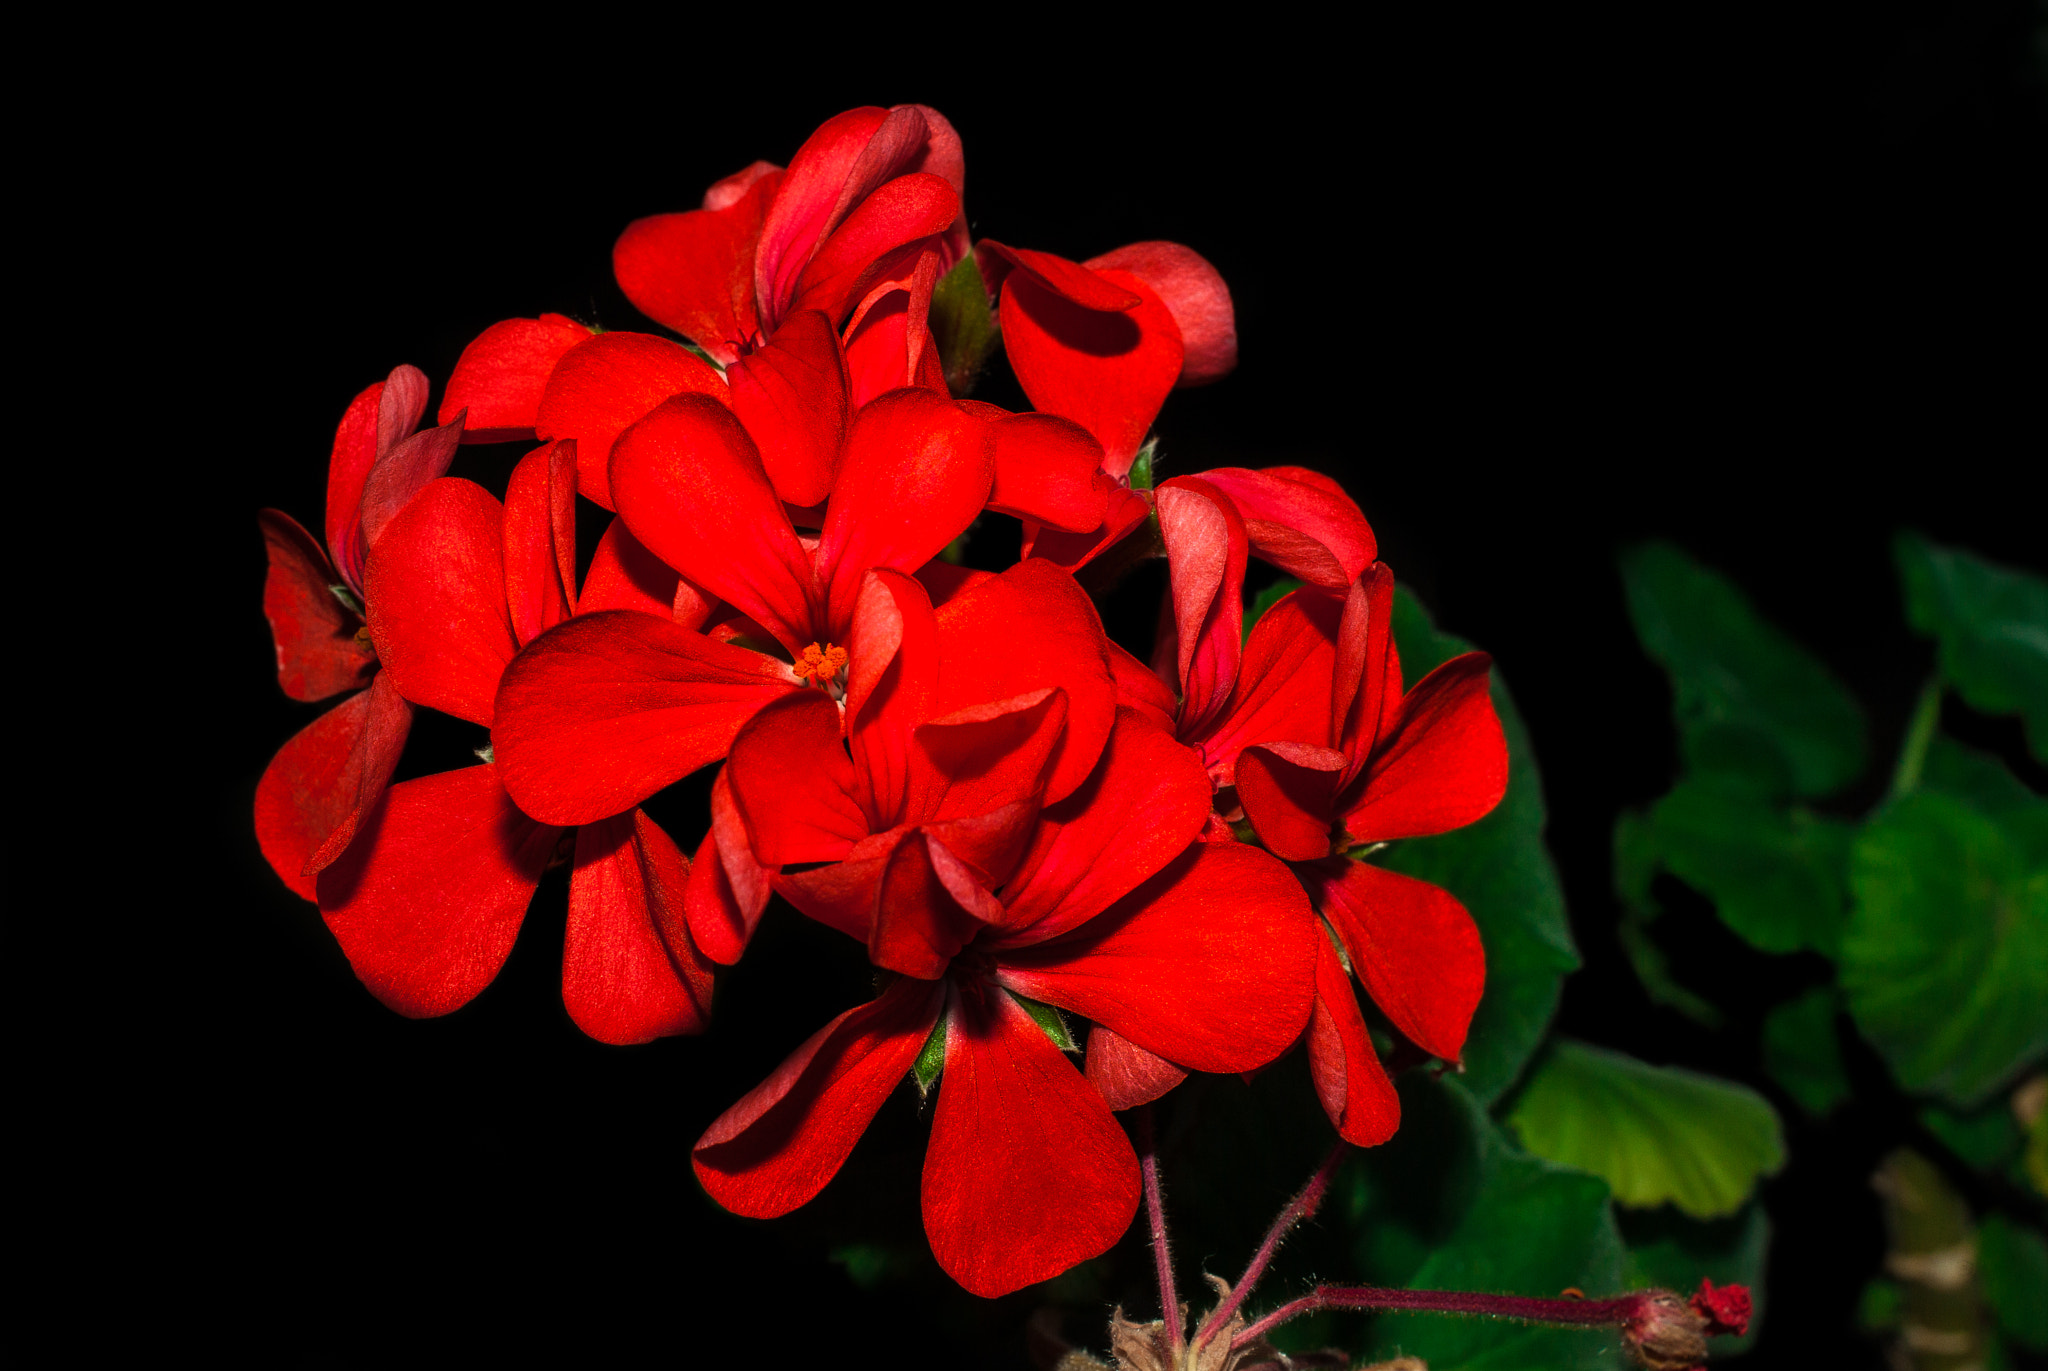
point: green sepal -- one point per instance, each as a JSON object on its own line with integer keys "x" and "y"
{"x": 347, "y": 598}
{"x": 1141, "y": 465}
{"x": 1656, "y": 1134}
{"x": 1991, "y": 627}
{"x": 931, "y": 1058}
{"x": 1803, "y": 1053}
{"x": 1051, "y": 1020}
{"x": 689, "y": 346}
{"x": 2012, "y": 1263}
{"x": 1266, "y": 599}
{"x": 485, "y": 754}
{"x": 963, "y": 324}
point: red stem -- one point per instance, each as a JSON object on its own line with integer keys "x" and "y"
{"x": 1569, "y": 1313}
{"x": 1300, "y": 1208}
{"x": 1155, "y": 1209}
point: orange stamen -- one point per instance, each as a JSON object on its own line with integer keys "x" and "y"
{"x": 819, "y": 665}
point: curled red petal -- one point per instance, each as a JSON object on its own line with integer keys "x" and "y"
{"x": 900, "y": 213}
{"x": 990, "y": 756}
{"x": 842, "y": 894}
{"x": 1412, "y": 944}
{"x": 1442, "y": 760}
{"x": 1126, "y": 1074}
{"x": 793, "y": 784}
{"x": 499, "y": 377}
{"x": 891, "y": 687}
{"x": 695, "y": 271}
{"x": 402, "y": 473}
{"x": 1048, "y": 470}
{"x": 630, "y": 972}
{"x": 728, "y": 888}
{"x": 1286, "y": 790}
{"x": 1284, "y": 683}
{"x": 791, "y": 396}
{"x": 1138, "y": 687}
{"x": 729, "y": 191}
{"x": 540, "y": 540}
{"x": 824, "y": 181}
{"x": 787, "y": 1137}
{"x": 1301, "y": 521}
{"x": 919, "y": 925}
{"x": 606, "y": 384}
{"x": 428, "y": 901}
{"x": 1349, "y": 1079}
{"x": 1124, "y": 513}
{"x": 1070, "y": 281}
{"x": 1194, "y": 293}
{"x": 1206, "y": 550}
{"x": 436, "y": 589}
{"x": 604, "y": 709}
{"x": 348, "y": 466}
{"x": 1027, "y": 1172}
{"x": 324, "y": 778}
{"x": 318, "y": 652}
{"x": 380, "y": 738}
{"x": 1368, "y": 679}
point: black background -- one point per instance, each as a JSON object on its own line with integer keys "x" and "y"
{"x": 1532, "y": 285}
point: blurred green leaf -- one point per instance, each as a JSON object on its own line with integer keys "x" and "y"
{"x": 1991, "y": 625}
{"x": 1776, "y": 877}
{"x": 1501, "y": 871}
{"x": 872, "y": 1265}
{"x": 1756, "y": 713}
{"x": 2012, "y": 1262}
{"x": 1983, "y": 1137}
{"x": 1266, "y": 599}
{"x": 2035, "y": 1159}
{"x": 1978, "y": 779}
{"x": 1877, "y": 1311}
{"x": 1670, "y": 1250}
{"x": 963, "y": 325}
{"x": 1802, "y": 1053}
{"x": 1451, "y": 1204}
{"x": 1944, "y": 963}
{"x": 1655, "y": 1134}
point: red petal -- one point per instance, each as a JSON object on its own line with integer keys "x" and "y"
{"x": 892, "y": 680}
{"x": 1124, "y": 513}
{"x": 918, "y": 926}
{"x": 1442, "y": 761}
{"x": 1126, "y": 1074}
{"x": 990, "y": 756}
{"x": 917, "y": 470}
{"x": 1413, "y": 945}
{"x": 1349, "y": 1079}
{"x": 1146, "y": 801}
{"x": 348, "y": 466}
{"x": 606, "y": 384}
{"x": 500, "y": 376}
{"x": 540, "y": 540}
{"x": 1284, "y": 683}
{"x": 942, "y": 155}
{"x": 793, "y": 784}
{"x": 1286, "y": 790}
{"x": 427, "y": 904}
{"x": 1139, "y": 687}
{"x": 1194, "y": 293}
{"x": 791, "y": 396}
{"x": 1210, "y": 964}
{"x": 325, "y": 777}
{"x": 1031, "y": 628}
{"x": 1027, "y": 1172}
{"x": 888, "y": 338}
{"x": 850, "y": 262}
{"x": 985, "y": 848}
{"x": 1301, "y": 521}
{"x": 1108, "y": 371}
{"x": 1070, "y": 281}
{"x": 603, "y": 710}
{"x": 1205, "y": 549}
{"x": 630, "y": 973}
{"x": 625, "y": 575}
{"x": 695, "y": 272}
{"x": 436, "y": 588}
{"x": 826, "y": 178}
{"x": 1048, "y": 470}
{"x": 690, "y": 485}
{"x": 780, "y": 1144}
{"x": 318, "y": 653}
{"x": 843, "y": 894}
{"x": 944, "y": 581}
{"x": 1368, "y": 668}
{"x": 728, "y": 889}
{"x": 403, "y": 473}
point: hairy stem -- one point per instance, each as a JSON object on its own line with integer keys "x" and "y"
{"x": 1155, "y": 1210}
{"x": 1300, "y": 1208}
{"x": 1528, "y": 1309}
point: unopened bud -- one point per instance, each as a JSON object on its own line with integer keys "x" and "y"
{"x": 1665, "y": 1333}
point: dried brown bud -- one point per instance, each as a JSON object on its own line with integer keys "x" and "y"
{"x": 1665, "y": 1333}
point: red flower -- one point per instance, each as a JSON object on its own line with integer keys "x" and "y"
{"x": 428, "y": 901}
{"x": 318, "y": 786}
{"x": 497, "y": 382}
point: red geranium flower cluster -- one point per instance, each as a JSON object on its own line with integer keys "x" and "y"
{"x": 1028, "y": 829}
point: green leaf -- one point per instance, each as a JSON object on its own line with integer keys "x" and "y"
{"x": 1944, "y": 962}
{"x": 2012, "y": 1262}
{"x": 1266, "y": 599}
{"x": 931, "y": 1058}
{"x": 2035, "y": 1159}
{"x": 1778, "y": 878}
{"x": 1051, "y": 1020}
{"x": 1983, "y": 1138}
{"x": 1978, "y": 779}
{"x": 1990, "y": 624}
{"x": 1655, "y": 1134}
{"x": 1668, "y": 1249}
{"x": 963, "y": 325}
{"x": 1803, "y": 1054}
{"x": 1501, "y": 871}
{"x": 1756, "y": 713}
{"x": 1451, "y": 1204}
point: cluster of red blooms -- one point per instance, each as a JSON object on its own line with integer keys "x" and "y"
{"x": 1019, "y": 820}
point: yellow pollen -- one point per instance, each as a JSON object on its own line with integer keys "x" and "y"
{"x": 819, "y": 665}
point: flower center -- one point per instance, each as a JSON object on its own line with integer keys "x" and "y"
{"x": 820, "y": 665}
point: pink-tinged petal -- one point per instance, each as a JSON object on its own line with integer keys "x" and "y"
{"x": 791, "y": 397}
{"x": 988, "y": 757}
{"x": 604, "y": 709}
{"x": 403, "y": 473}
{"x": 499, "y": 377}
{"x": 606, "y": 384}
{"x": 1124, "y": 513}
{"x": 1125, "y": 1074}
{"x": 1349, "y": 1079}
{"x": 1194, "y": 293}
{"x": 1146, "y": 801}
{"x": 1286, "y": 790}
{"x": 891, "y": 688}
{"x": 695, "y": 272}
{"x": 330, "y": 772}
{"x": 828, "y": 175}
{"x": 793, "y": 782}
{"x": 1301, "y": 521}
{"x": 400, "y": 407}
{"x": 916, "y": 472}
{"x": 540, "y": 540}
{"x": 1048, "y": 470}
{"x": 918, "y": 924}
{"x": 1210, "y": 964}
{"x": 1412, "y": 944}
{"x": 625, "y": 575}
{"x": 1205, "y": 549}
{"x": 318, "y": 652}
{"x": 1284, "y": 683}
{"x": 436, "y": 589}
{"x": 427, "y": 903}
{"x": 1069, "y": 281}
{"x": 788, "y": 1136}
{"x": 1108, "y": 371}
{"x": 942, "y": 155}
{"x": 1368, "y": 679}
{"x": 630, "y": 973}
{"x": 1027, "y": 1172}
{"x": 1442, "y": 760}
{"x": 690, "y": 485}
{"x": 728, "y": 888}
{"x": 1031, "y": 628}
{"x": 1138, "y": 687}
{"x": 355, "y": 452}
{"x": 858, "y": 255}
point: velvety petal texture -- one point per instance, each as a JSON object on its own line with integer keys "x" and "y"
{"x": 1353, "y": 1086}
{"x": 606, "y": 384}
{"x": 1194, "y": 294}
{"x": 497, "y": 382}
{"x": 630, "y": 971}
{"x": 319, "y": 650}
{"x": 436, "y": 586}
{"x": 1412, "y": 944}
{"x": 316, "y": 789}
